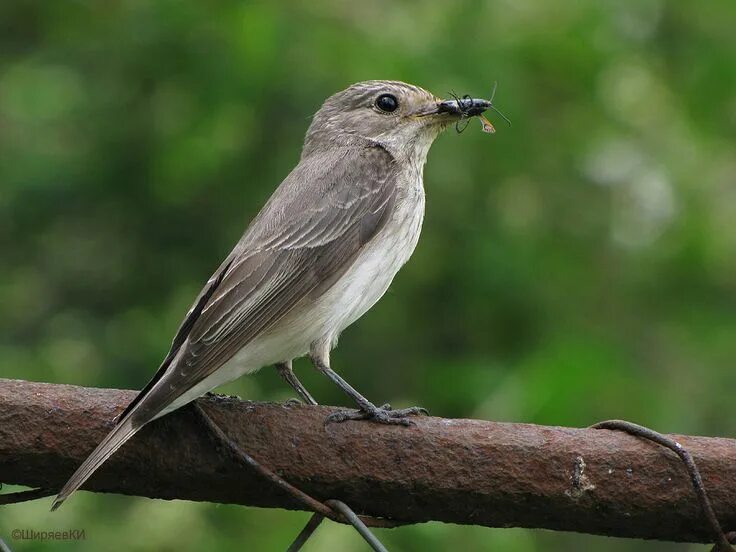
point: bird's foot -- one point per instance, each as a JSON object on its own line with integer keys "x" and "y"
{"x": 293, "y": 401}
{"x": 382, "y": 415}
{"x": 220, "y": 397}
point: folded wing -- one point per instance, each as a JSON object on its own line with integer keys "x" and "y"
{"x": 306, "y": 236}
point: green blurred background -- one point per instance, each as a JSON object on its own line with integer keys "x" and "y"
{"x": 577, "y": 266}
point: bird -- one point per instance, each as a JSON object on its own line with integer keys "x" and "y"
{"x": 321, "y": 252}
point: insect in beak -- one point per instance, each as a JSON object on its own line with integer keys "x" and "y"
{"x": 467, "y": 107}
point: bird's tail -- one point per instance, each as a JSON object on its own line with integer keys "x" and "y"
{"x": 123, "y": 431}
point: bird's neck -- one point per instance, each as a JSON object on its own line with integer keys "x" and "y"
{"x": 410, "y": 149}
{"x": 321, "y": 141}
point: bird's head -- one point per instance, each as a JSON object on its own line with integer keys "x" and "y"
{"x": 403, "y": 118}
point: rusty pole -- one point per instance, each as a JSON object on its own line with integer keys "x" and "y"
{"x": 459, "y": 471}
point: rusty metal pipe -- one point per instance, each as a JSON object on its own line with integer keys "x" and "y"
{"x": 459, "y": 471}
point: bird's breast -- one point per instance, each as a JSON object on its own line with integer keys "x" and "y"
{"x": 372, "y": 272}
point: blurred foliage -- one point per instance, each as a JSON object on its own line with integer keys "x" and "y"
{"x": 575, "y": 267}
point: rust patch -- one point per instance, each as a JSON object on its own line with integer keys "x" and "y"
{"x": 580, "y": 482}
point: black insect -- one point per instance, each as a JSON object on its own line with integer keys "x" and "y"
{"x": 468, "y": 108}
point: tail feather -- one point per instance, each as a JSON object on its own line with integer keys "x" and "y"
{"x": 123, "y": 431}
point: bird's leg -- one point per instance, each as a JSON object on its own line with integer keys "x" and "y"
{"x": 286, "y": 372}
{"x": 320, "y": 357}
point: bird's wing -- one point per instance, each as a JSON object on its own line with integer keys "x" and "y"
{"x": 308, "y": 234}
{"x": 305, "y": 237}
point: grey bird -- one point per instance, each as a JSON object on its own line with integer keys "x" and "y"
{"x": 320, "y": 253}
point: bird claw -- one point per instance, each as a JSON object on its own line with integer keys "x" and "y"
{"x": 382, "y": 415}
{"x": 293, "y": 401}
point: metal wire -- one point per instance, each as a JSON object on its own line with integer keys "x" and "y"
{"x": 719, "y": 537}
{"x": 305, "y": 533}
{"x": 332, "y": 509}
{"x": 356, "y": 522}
{"x": 25, "y": 496}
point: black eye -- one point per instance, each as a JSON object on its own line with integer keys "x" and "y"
{"x": 387, "y": 103}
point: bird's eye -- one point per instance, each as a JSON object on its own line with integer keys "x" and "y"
{"x": 387, "y": 103}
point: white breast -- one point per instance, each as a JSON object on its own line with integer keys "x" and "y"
{"x": 353, "y": 293}
{"x": 373, "y": 271}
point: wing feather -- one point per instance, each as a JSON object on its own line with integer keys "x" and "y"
{"x": 323, "y": 214}
{"x": 305, "y": 237}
